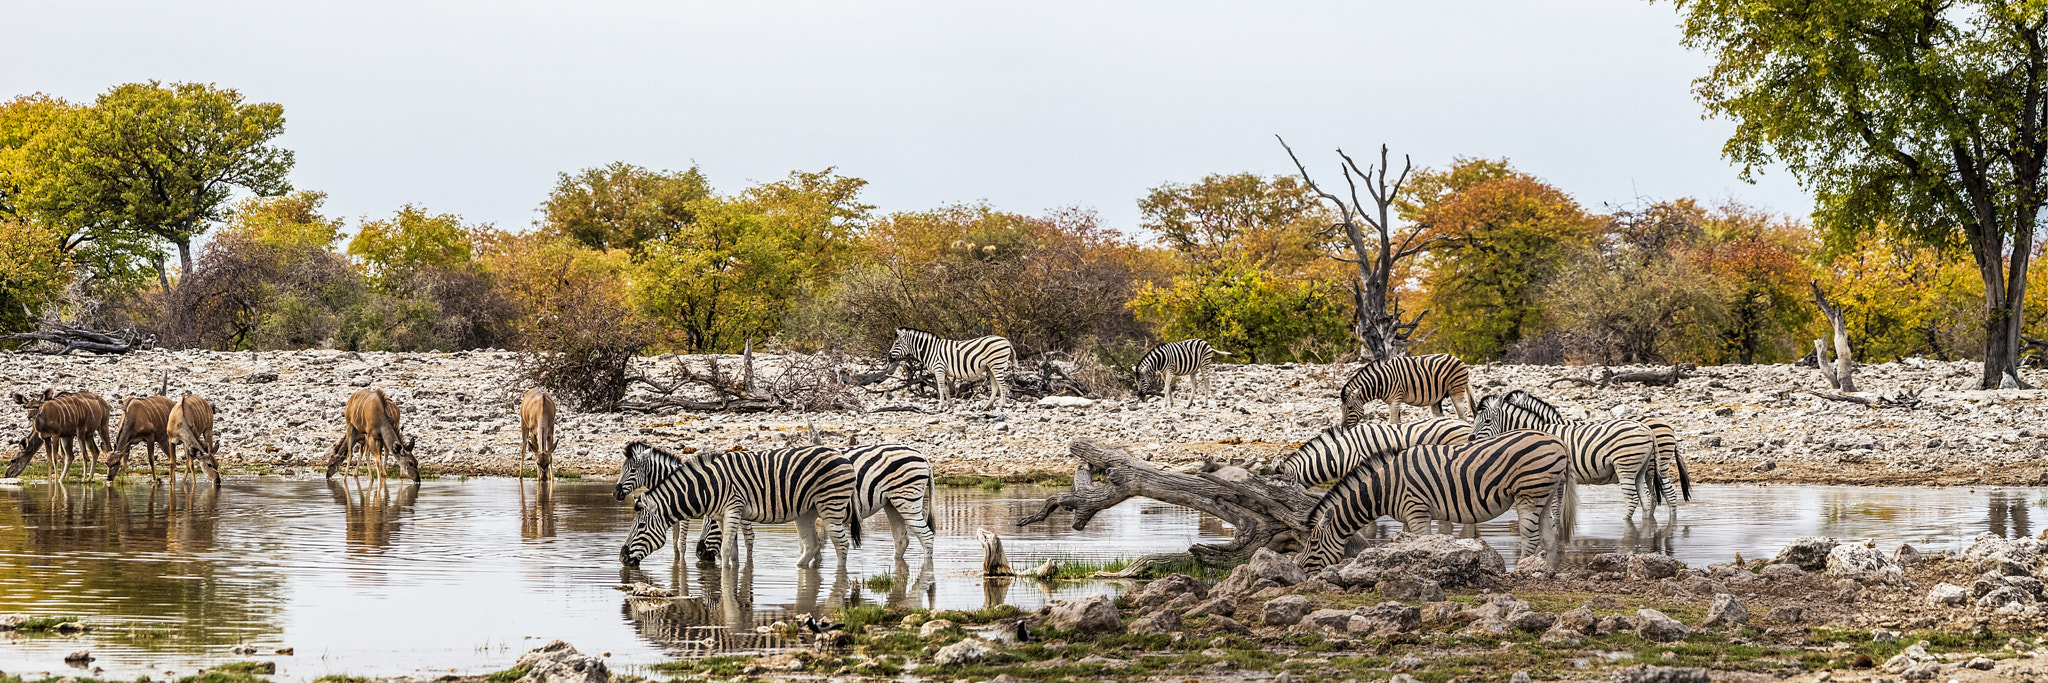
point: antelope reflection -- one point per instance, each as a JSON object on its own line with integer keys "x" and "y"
{"x": 537, "y": 517}
{"x": 373, "y": 512}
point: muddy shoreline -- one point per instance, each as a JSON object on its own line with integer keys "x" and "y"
{"x": 1737, "y": 424}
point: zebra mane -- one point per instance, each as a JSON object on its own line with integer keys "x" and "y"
{"x": 650, "y": 459}
{"x": 1529, "y": 402}
{"x": 901, "y": 330}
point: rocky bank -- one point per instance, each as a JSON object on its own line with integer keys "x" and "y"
{"x": 1736, "y": 423}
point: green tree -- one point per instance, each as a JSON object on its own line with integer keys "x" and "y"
{"x": 1500, "y": 239}
{"x": 1927, "y": 120}
{"x": 621, "y": 206}
{"x": 33, "y": 271}
{"x": 1241, "y": 308}
{"x": 1273, "y": 221}
{"x": 412, "y": 240}
{"x": 150, "y": 164}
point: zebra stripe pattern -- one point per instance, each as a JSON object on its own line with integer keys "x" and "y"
{"x": 1188, "y": 358}
{"x": 1411, "y": 380}
{"x": 1335, "y": 452}
{"x": 991, "y": 357}
{"x": 1603, "y": 452}
{"x": 1529, "y": 472}
{"x": 891, "y": 479}
{"x": 768, "y": 487}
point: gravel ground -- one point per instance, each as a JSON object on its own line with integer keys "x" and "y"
{"x": 1736, "y": 423}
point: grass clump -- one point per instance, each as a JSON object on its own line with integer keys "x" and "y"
{"x": 721, "y": 666}
{"x": 881, "y": 583}
{"x": 42, "y": 624}
{"x": 509, "y": 675}
{"x": 339, "y": 678}
{"x": 862, "y": 615}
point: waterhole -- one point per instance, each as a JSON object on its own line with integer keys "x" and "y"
{"x": 454, "y": 576}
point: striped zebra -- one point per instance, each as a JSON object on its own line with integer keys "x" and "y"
{"x": 949, "y": 360}
{"x": 1412, "y": 380}
{"x": 891, "y": 479}
{"x": 1604, "y": 451}
{"x": 1188, "y": 358}
{"x": 1335, "y": 452}
{"x": 1529, "y": 472}
{"x": 766, "y": 487}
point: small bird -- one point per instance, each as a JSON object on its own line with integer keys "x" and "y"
{"x": 816, "y": 625}
{"x": 1023, "y": 634}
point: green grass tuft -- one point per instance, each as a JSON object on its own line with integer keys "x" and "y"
{"x": 862, "y": 615}
{"x": 39, "y": 624}
{"x": 509, "y": 675}
{"x": 881, "y": 583}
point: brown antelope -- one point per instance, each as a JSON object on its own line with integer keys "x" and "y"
{"x": 537, "y": 431}
{"x": 147, "y": 419}
{"x": 373, "y": 422}
{"x": 191, "y": 425}
{"x": 60, "y": 418}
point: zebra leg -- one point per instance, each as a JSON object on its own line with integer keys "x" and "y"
{"x": 747, "y": 530}
{"x": 728, "y": 545}
{"x": 807, "y": 539}
{"x": 1394, "y": 409}
{"x": 898, "y": 530}
{"x": 680, "y": 534}
{"x": 944, "y": 383}
{"x": 1529, "y": 515}
{"x": 998, "y": 386}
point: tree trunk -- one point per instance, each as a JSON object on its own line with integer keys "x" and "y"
{"x": 1266, "y": 512}
{"x": 1838, "y": 375}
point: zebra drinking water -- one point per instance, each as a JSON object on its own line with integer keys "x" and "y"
{"x": 892, "y": 479}
{"x": 948, "y": 360}
{"x": 1632, "y": 452}
{"x": 1529, "y": 472}
{"x": 1335, "y": 452}
{"x": 1412, "y": 380}
{"x": 767, "y": 487}
{"x": 1188, "y": 358}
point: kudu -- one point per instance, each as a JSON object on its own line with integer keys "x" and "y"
{"x": 191, "y": 425}
{"x": 373, "y": 423}
{"x": 537, "y": 432}
{"x": 57, "y": 419}
{"x": 147, "y": 419}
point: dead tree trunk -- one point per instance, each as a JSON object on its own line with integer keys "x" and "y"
{"x": 71, "y": 338}
{"x": 1838, "y": 376}
{"x": 1379, "y": 327}
{"x": 1267, "y": 512}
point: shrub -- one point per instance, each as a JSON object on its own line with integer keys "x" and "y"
{"x": 581, "y": 347}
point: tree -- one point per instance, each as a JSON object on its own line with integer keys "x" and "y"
{"x": 33, "y": 272}
{"x": 1495, "y": 243}
{"x": 1928, "y": 120}
{"x": 412, "y": 240}
{"x": 150, "y": 164}
{"x": 1272, "y": 221}
{"x": 621, "y": 206}
{"x": 1244, "y": 309}
{"x": 1377, "y": 325}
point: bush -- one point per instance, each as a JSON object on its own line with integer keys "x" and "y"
{"x": 581, "y": 348}
{"x": 1241, "y": 309}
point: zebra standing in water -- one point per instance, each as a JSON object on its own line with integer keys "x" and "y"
{"x": 1603, "y": 452}
{"x": 1529, "y": 472}
{"x": 991, "y": 357}
{"x": 766, "y": 487}
{"x": 1520, "y": 409}
{"x": 891, "y": 479}
{"x": 1188, "y": 358}
{"x": 1413, "y": 380}
{"x": 1335, "y": 452}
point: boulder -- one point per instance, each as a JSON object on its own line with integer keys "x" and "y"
{"x": 1906, "y": 556}
{"x": 1727, "y": 610}
{"x": 1410, "y": 589}
{"x": 2003, "y": 596}
{"x": 1441, "y": 611}
{"x": 559, "y": 662}
{"x": 969, "y": 650}
{"x": 1450, "y": 562}
{"x": 1162, "y": 591}
{"x": 1266, "y": 570}
{"x": 934, "y": 627}
{"x": 1863, "y": 563}
{"x": 1653, "y": 625}
{"x": 1216, "y": 606}
{"x": 1782, "y": 571}
{"x": 1286, "y": 610}
{"x": 1911, "y": 657}
{"x": 1330, "y": 621}
{"x": 1532, "y": 622}
{"x": 1562, "y": 637}
{"x": 1638, "y": 566}
{"x": 1157, "y": 623}
{"x": 1498, "y": 607}
{"x": 1809, "y": 553}
{"x": 1488, "y": 627}
{"x": 1223, "y": 624}
{"x": 2011, "y": 557}
{"x": 1386, "y": 618}
{"x": 1087, "y": 614}
{"x": 1946, "y": 594}
{"x": 1578, "y": 619}
{"x": 1786, "y": 614}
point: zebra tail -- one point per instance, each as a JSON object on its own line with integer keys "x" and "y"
{"x": 931, "y": 515}
{"x": 853, "y": 525}
{"x": 1684, "y": 478}
{"x": 1220, "y": 352}
{"x": 1568, "y": 503}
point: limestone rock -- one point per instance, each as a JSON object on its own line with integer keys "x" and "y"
{"x": 1863, "y": 563}
{"x": 1217, "y": 606}
{"x": 934, "y": 628}
{"x": 1562, "y": 637}
{"x": 969, "y": 650}
{"x": 1653, "y": 625}
{"x": 1906, "y": 556}
{"x": 1450, "y": 562}
{"x": 1782, "y": 571}
{"x": 559, "y": 662}
{"x": 1286, "y": 610}
{"x": 2012, "y": 557}
{"x": 1639, "y": 566}
{"x": 1386, "y": 618}
{"x": 1809, "y": 553}
{"x": 1228, "y": 625}
{"x": 1914, "y": 655}
{"x": 1487, "y": 627}
{"x": 1946, "y": 594}
{"x": 1267, "y": 569}
{"x": 1532, "y": 621}
{"x": 1578, "y": 619}
{"x": 1410, "y": 589}
{"x": 1164, "y": 590}
{"x": 1727, "y": 610}
{"x": 1088, "y": 614}
{"x": 1786, "y": 614}
{"x": 1332, "y": 621}
{"x": 1157, "y": 623}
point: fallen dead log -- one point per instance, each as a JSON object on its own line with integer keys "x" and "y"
{"x": 1265, "y": 512}
{"x": 1909, "y": 399}
{"x": 69, "y": 338}
{"x": 1651, "y": 378}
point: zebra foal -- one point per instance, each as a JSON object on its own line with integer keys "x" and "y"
{"x": 1188, "y": 358}
{"x": 765, "y": 487}
{"x": 1528, "y": 472}
{"x": 1411, "y": 380}
{"x": 1335, "y": 452}
{"x": 948, "y": 359}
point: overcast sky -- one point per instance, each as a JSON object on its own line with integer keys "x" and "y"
{"x": 473, "y": 108}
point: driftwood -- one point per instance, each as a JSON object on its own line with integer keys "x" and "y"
{"x": 993, "y": 561}
{"x": 70, "y": 338}
{"x": 1653, "y": 378}
{"x": 1909, "y": 399}
{"x": 1837, "y": 371}
{"x": 806, "y": 383}
{"x": 1266, "y": 512}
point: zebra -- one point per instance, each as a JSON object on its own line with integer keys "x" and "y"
{"x": 1603, "y": 451}
{"x": 1413, "y": 380}
{"x": 891, "y": 479}
{"x": 1333, "y": 453}
{"x": 950, "y": 360}
{"x": 767, "y": 487}
{"x": 1188, "y": 358}
{"x": 1527, "y": 471}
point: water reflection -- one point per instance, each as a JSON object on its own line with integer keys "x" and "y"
{"x": 373, "y": 510}
{"x": 537, "y": 520}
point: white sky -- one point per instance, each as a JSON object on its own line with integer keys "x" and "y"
{"x": 472, "y": 108}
